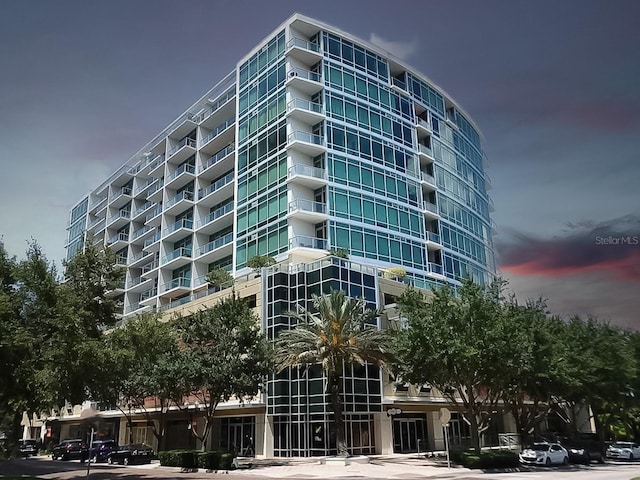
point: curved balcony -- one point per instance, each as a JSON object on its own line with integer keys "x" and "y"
{"x": 302, "y": 241}
{"x": 305, "y": 111}
{"x": 428, "y": 182}
{"x": 433, "y": 241}
{"x": 303, "y": 50}
{"x": 435, "y": 269}
{"x": 311, "y": 177}
{"x": 304, "y": 81}
{"x": 430, "y": 210}
{"x": 307, "y": 143}
{"x": 308, "y": 210}
{"x": 425, "y": 154}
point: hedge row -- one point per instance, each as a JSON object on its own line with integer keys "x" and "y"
{"x": 486, "y": 460}
{"x": 192, "y": 459}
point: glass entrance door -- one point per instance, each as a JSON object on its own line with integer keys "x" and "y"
{"x": 408, "y": 434}
{"x": 238, "y": 435}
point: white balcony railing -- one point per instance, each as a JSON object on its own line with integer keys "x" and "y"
{"x": 185, "y": 142}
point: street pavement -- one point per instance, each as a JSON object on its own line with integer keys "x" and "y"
{"x": 398, "y": 467}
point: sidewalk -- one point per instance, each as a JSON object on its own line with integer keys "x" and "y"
{"x": 378, "y": 466}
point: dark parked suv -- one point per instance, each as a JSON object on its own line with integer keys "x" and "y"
{"x": 70, "y": 449}
{"x": 28, "y": 447}
{"x": 100, "y": 449}
{"x": 582, "y": 447}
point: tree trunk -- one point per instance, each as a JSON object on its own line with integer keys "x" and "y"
{"x": 475, "y": 434}
{"x": 335, "y": 386}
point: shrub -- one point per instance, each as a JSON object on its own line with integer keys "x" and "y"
{"x": 209, "y": 460}
{"x": 189, "y": 459}
{"x": 258, "y": 261}
{"x": 194, "y": 459}
{"x": 486, "y": 460}
{"x": 169, "y": 458}
{"x": 226, "y": 461}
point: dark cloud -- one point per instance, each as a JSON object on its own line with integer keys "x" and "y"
{"x": 610, "y": 248}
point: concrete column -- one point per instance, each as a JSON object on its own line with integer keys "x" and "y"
{"x": 437, "y": 439}
{"x": 383, "y": 425}
{"x": 267, "y": 437}
{"x": 509, "y": 423}
{"x": 259, "y": 435}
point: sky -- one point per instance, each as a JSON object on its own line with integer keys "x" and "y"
{"x": 553, "y": 86}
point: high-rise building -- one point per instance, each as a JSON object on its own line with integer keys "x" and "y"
{"x": 317, "y": 142}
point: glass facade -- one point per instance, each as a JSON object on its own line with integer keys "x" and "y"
{"x": 297, "y": 398}
{"x": 316, "y": 141}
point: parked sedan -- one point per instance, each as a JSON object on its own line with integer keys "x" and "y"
{"x": 131, "y": 454}
{"x": 100, "y": 450}
{"x": 626, "y": 450}
{"x": 70, "y": 449}
{"x": 545, "y": 454}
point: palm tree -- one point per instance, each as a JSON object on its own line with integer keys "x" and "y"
{"x": 336, "y": 335}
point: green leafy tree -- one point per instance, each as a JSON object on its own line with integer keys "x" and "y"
{"x": 336, "y": 334}
{"x": 460, "y": 344}
{"x": 11, "y": 392}
{"x": 52, "y": 329}
{"x": 603, "y": 370}
{"x": 339, "y": 252}
{"x": 141, "y": 371}
{"x": 85, "y": 308}
{"x": 258, "y": 262}
{"x": 220, "y": 278}
{"x": 537, "y": 375}
{"x": 36, "y": 324}
{"x": 223, "y": 354}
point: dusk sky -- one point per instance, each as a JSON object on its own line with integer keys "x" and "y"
{"x": 554, "y": 87}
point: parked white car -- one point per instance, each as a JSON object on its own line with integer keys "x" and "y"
{"x": 545, "y": 454}
{"x": 627, "y": 450}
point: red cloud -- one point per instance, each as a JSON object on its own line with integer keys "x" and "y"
{"x": 611, "y": 249}
{"x": 624, "y": 269}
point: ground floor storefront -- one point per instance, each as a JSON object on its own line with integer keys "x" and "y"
{"x": 250, "y": 432}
